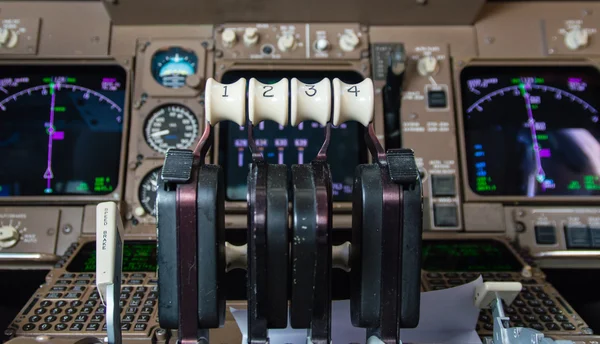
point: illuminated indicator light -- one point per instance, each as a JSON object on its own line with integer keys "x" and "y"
{"x": 515, "y": 81}
{"x": 48, "y": 190}
{"x": 534, "y": 106}
{"x": 478, "y": 147}
{"x": 59, "y": 109}
{"x": 71, "y": 80}
{"x": 542, "y": 137}
{"x": 539, "y": 80}
{"x": 47, "y": 80}
{"x": 574, "y": 185}
{"x": 590, "y": 182}
{"x": 479, "y": 154}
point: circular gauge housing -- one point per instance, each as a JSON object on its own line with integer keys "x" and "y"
{"x": 171, "y": 126}
{"x": 148, "y": 191}
{"x": 170, "y": 67}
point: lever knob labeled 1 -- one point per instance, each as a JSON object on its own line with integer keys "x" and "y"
{"x": 268, "y": 102}
{"x": 224, "y": 102}
{"x": 353, "y": 102}
{"x": 310, "y": 102}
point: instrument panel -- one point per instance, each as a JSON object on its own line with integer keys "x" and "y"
{"x": 505, "y": 132}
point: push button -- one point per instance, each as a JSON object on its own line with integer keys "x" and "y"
{"x": 578, "y": 237}
{"x": 445, "y": 215}
{"x": 442, "y": 185}
{"x": 437, "y": 99}
{"x": 545, "y": 235}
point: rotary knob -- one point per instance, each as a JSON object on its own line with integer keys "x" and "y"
{"x": 250, "y": 36}
{"x": 349, "y": 41}
{"x": 322, "y": 44}
{"x": 8, "y": 38}
{"x": 286, "y": 43}
{"x": 228, "y": 37}
{"x": 576, "y": 38}
{"x": 9, "y": 236}
{"x": 427, "y": 65}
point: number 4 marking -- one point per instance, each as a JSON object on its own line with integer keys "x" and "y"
{"x": 354, "y": 90}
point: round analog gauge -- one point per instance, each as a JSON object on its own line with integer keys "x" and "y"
{"x": 171, "y": 126}
{"x": 170, "y": 67}
{"x": 147, "y": 193}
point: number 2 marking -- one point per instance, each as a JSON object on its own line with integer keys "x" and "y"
{"x": 354, "y": 90}
{"x": 310, "y": 88}
{"x": 267, "y": 90}
{"x": 225, "y": 92}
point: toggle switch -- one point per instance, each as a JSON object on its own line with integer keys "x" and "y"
{"x": 229, "y": 38}
{"x": 225, "y": 101}
{"x": 310, "y": 102}
{"x": 268, "y": 101}
{"x": 286, "y": 43}
{"x": 349, "y": 40}
{"x": 352, "y": 102}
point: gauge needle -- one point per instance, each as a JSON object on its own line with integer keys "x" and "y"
{"x": 160, "y": 133}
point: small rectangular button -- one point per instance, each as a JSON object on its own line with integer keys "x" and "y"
{"x": 442, "y": 185}
{"x": 54, "y": 295}
{"x": 135, "y": 281}
{"x": 59, "y": 288}
{"x": 78, "y": 288}
{"x": 73, "y": 296}
{"x": 140, "y": 327}
{"x": 578, "y": 237}
{"x": 128, "y": 318}
{"x": 437, "y": 99}
{"x": 92, "y": 327}
{"x": 76, "y": 327}
{"x": 545, "y": 235}
{"x": 82, "y": 282}
{"x": 445, "y": 215}
{"x": 67, "y": 276}
{"x": 85, "y": 276}
{"x": 144, "y": 318}
{"x": 81, "y": 318}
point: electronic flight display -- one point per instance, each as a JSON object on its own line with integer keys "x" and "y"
{"x": 137, "y": 256}
{"x": 291, "y": 145}
{"x": 170, "y": 67}
{"x": 468, "y": 256}
{"x": 62, "y": 128}
{"x": 532, "y": 131}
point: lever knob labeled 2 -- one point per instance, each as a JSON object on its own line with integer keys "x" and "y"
{"x": 225, "y": 102}
{"x": 310, "y": 102}
{"x": 268, "y": 102}
{"x": 353, "y": 102}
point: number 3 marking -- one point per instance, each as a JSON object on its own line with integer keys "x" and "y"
{"x": 310, "y": 88}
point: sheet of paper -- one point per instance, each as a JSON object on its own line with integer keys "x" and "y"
{"x": 447, "y": 317}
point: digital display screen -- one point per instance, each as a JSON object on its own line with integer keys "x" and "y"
{"x": 61, "y": 129}
{"x": 138, "y": 256}
{"x": 532, "y": 131}
{"x": 291, "y": 145}
{"x": 468, "y": 256}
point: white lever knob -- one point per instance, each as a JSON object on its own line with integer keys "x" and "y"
{"x": 310, "y": 102}
{"x": 268, "y": 102}
{"x": 225, "y": 102}
{"x": 353, "y": 102}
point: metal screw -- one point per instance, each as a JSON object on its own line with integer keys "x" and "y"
{"x": 221, "y": 67}
{"x": 67, "y": 229}
{"x": 126, "y": 62}
{"x": 520, "y": 227}
{"x": 134, "y": 222}
{"x": 9, "y": 332}
{"x": 29, "y": 49}
{"x": 137, "y": 104}
{"x": 139, "y": 157}
{"x": 50, "y": 231}
{"x": 489, "y": 40}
